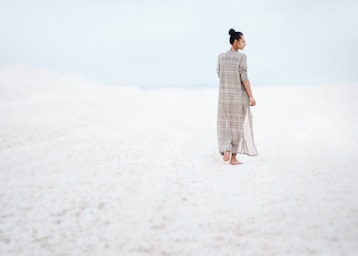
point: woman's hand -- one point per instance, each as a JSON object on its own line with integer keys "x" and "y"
{"x": 252, "y": 101}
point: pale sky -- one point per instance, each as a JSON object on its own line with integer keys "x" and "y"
{"x": 176, "y": 43}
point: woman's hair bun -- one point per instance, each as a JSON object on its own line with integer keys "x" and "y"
{"x": 232, "y": 32}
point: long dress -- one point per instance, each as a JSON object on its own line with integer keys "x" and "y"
{"x": 234, "y": 117}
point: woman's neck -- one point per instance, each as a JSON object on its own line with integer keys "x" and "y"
{"x": 234, "y": 48}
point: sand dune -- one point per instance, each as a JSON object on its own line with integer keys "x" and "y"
{"x": 89, "y": 169}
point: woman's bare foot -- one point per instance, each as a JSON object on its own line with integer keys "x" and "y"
{"x": 234, "y": 161}
{"x": 226, "y": 156}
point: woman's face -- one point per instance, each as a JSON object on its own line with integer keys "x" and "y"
{"x": 240, "y": 44}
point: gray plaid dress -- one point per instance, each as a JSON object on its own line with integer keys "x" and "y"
{"x": 234, "y": 118}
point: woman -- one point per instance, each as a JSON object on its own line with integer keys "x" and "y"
{"x": 234, "y": 123}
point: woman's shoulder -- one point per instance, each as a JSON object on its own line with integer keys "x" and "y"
{"x": 222, "y": 54}
{"x": 241, "y": 54}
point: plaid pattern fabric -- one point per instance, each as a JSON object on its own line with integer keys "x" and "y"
{"x": 234, "y": 118}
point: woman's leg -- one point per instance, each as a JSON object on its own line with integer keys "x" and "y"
{"x": 226, "y": 156}
{"x": 233, "y": 160}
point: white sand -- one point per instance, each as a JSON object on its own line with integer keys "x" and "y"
{"x": 89, "y": 169}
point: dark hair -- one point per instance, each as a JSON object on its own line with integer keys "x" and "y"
{"x": 234, "y": 35}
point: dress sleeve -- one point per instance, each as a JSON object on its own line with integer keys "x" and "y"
{"x": 243, "y": 68}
